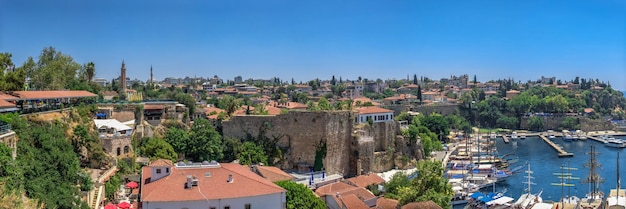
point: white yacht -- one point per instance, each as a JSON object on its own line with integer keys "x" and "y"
{"x": 528, "y": 200}
{"x": 522, "y": 135}
{"x": 615, "y": 142}
{"x": 514, "y": 135}
{"x": 551, "y": 134}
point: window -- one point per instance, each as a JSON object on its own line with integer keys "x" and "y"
{"x": 119, "y": 151}
{"x": 247, "y": 206}
{"x": 158, "y": 170}
{"x": 126, "y": 149}
{"x": 167, "y": 170}
{"x": 226, "y": 207}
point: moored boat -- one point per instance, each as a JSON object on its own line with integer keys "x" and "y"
{"x": 615, "y": 142}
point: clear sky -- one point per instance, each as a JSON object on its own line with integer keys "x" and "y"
{"x": 309, "y": 39}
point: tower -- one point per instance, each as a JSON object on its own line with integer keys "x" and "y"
{"x": 151, "y": 75}
{"x": 123, "y": 77}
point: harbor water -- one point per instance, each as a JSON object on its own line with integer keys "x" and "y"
{"x": 544, "y": 162}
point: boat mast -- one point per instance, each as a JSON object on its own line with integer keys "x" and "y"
{"x": 593, "y": 179}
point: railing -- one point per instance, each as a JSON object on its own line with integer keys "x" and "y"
{"x": 98, "y": 192}
{"x": 5, "y": 128}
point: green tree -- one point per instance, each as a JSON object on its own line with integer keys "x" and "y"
{"x": 507, "y": 122}
{"x": 155, "y": 148}
{"x": 429, "y": 184}
{"x": 205, "y": 141}
{"x": 535, "y": 123}
{"x": 569, "y": 123}
{"x": 299, "y": 196}
{"x": 324, "y": 104}
{"x": 437, "y": 124}
{"x": 179, "y": 140}
{"x": 53, "y": 169}
{"x": 250, "y": 154}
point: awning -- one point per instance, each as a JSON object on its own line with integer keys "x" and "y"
{"x": 500, "y": 201}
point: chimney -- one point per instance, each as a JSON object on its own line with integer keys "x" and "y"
{"x": 188, "y": 183}
{"x": 230, "y": 178}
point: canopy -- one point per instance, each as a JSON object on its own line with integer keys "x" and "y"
{"x": 101, "y": 115}
{"x": 500, "y": 201}
{"x": 132, "y": 185}
{"x": 110, "y": 206}
{"x": 123, "y": 205}
{"x": 476, "y": 195}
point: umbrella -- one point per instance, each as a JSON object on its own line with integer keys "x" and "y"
{"x": 123, "y": 205}
{"x": 110, "y": 206}
{"x": 132, "y": 185}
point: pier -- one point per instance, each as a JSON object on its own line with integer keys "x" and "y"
{"x": 505, "y": 138}
{"x": 597, "y": 139}
{"x": 562, "y": 153}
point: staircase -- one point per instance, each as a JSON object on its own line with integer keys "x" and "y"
{"x": 96, "y": 194}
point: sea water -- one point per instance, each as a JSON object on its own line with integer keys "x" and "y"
{"x": 544, "y": 162}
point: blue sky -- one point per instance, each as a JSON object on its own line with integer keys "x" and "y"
{"x": 310, "y": 39}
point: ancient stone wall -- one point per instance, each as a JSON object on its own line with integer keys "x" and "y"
{"x": 111, "y": 145}
{"x": 587, "y": 124}
{"x": 443, "y": 109}
{"x": 302, "y": 132}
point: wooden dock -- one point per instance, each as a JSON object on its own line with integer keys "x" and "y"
{"x": 597, "y": 139}
{"x": 560, "y": 150}
{"x": 505, "y": 138}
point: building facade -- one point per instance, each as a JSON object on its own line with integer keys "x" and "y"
{"x": 207, "y": 185}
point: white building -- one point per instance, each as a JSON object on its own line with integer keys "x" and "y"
{"x": 207, "y": 185}
{"x": 112, "y": 127}
{"x": 377, "y": 114}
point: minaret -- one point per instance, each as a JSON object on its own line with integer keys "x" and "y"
{"x": 123, "y": 77}
{"x": 151, "y": 75}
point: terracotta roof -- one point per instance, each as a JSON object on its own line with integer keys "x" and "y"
{"x": 8, "y": 97}
{"x": 421, "y": 205}
{"x": 490, "y": 92}
{"x": 161, "y": 163}
{"x": 153, "y": 107}
{"x": 4, "y": 103}
{"x": 353, "y": 202}
{"x": 373, "y": 110}
{"x": 512, "y": 91}
{"x": 365, "y": 180}
{"x": 386, "y": 203}
{"x": 589, "y": 110}
{"x": 332, "y": 189}
{"x": 273, "y": 174}
{"x": 430, "y": 93}
{"x": 28, "y": 95}
{"x": 171, "y": 188}
{"x": 272, "y": 110}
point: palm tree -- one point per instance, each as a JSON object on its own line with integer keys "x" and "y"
{"x": 90, "y": 71}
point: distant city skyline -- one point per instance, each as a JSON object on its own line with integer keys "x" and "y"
{"x": 523, "y": 40}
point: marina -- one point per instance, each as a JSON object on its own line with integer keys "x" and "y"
{"x": 558, "y": 186}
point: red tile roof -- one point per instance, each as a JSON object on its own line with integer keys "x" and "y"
{"x": 273, "y": 174}
{"x": 365, "y": 180}
{"x": 386, "y": 203}
{"x": 27, "y": 95}
{"x": 272, "y": 110}
{"x": 353, "y": 202}
{"x": 8, "y": 97}
{"x": 4, "y": 103}
{"x": 332, "y": 189}
{"x": 153, "y": 107}
{"x": 171, "y": 188}
{"x": 373, "y": 110}
{"x": 161, "y": 163}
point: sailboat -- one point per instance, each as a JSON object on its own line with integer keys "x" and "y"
{"x": 570, "y": 201}
{"x": 593, "y": 199}
{"x": 617, "y": 197}
{"x": 527, "y": 200}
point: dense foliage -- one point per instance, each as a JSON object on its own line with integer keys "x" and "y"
{"x": 299, "y": 196}
{"x": 53, "y": 175}
{"x": 427, "y": 183}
